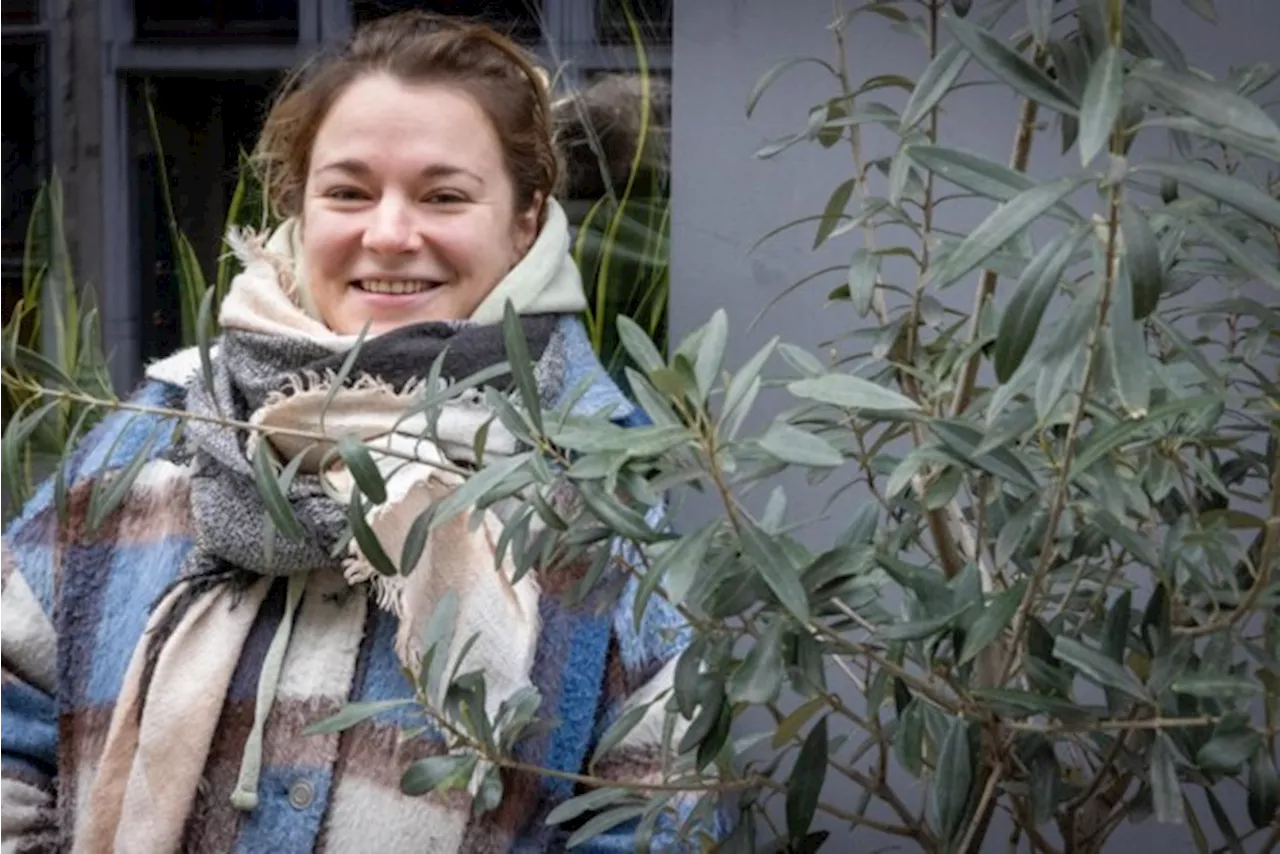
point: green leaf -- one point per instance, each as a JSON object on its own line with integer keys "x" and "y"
{"x": 791, "y": 725}
{"x": 1020, "y": 75}
{"x": 1098, "y": 667}
{"x": 204, "y": 325}
{"x": 740, "y": 395}
{"x": 1232, "y": 191}
{"x": 437, "y": 772}
{"x": 679, "y": 564}
{"x": 1264, "y": 789}
{"x": 1040, "y": 19}
{"x": 1002, "y": 462}
{"x": 918, "y": 629}
{"x": 603, "y": 823}
{"x": 583, "y": 804}
{"x": 995, "y": 616}
{"x": 1212, "y": 686}
{"x": 366, "y": 539}
{"x": 769, "y": 77}
{"x": 1166, "y": 794}
{"x": 1128, "y": 350}
{"x": 711, "y": 351}
{"x": 638, "y": 345}
{"x": 953, "y": 778}
{"x": 352, "y": 714}
{"x": 833, "y": 212}
{"x": 934, "y": 84}
{"x": 758, "y": 678}
{"x": 1034, "y": 704}
{"x": 340, "y": 379}
{"x": 979, "y": 175}
{"x": 777, "y": 569}
{"x": 1142, "y": 254}
{"x": 793, "y": 445}
{"x": 362, "y": 467}
{"x": 111, "y": 489}
{"x": 273, "y": 491}
{"x": 1238, "y": 253}
{"x": 908, "y": 738}
{"x": 1107, "y": 439}
{"x": 807, "y": 778}
{"x": 864, "y": 271}
{"x": 848, "y": 391}
{"x": 437, "y": 637}
{"x": 488, "y": 478}
{"x": 1021, "y": 319}
{"x": 1004, "y": 224}
{"x": 521, "y": 363}
{"x": 1228, "y": 750}
{"x": 1102, "y": 98}
{"x": 1211, "y": 102}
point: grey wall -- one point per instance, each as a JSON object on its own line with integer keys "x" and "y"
{"x": 724, "y": 198}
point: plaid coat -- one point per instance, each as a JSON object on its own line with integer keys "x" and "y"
{"x": 75, "y": 603}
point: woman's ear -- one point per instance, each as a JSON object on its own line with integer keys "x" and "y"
{"x": 526, "y": 225}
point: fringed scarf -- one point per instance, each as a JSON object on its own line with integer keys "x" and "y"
{"x": 276, "y": 368}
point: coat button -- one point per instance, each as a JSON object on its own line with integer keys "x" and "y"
{"x": 301, "y": 794}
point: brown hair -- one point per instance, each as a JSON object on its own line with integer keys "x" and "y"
{"x": 416, "y": 47}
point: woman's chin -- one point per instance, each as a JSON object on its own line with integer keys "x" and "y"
{"x": 386, "y": 312}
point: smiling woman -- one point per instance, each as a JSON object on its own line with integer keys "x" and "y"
{"x": 414, "y": 174}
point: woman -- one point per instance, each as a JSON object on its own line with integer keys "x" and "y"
{"x": 160, "y": 669}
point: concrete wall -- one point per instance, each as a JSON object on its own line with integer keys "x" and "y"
{"x": 724, "y": 199}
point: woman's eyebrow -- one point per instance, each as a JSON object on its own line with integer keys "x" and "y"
{"x": 360, "y": 169}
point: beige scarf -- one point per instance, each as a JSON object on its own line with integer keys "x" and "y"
{"x": 157, "y": 745}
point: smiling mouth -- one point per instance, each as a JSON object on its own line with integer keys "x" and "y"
{"x": 395, "y": 287}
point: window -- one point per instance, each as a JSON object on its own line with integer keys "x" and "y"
{"x": 519, "y": 19}
{"x": 204, "y": 124}
{"x": 652, "y": 19}
{"x": 20, "y": 12}
{"x": 25, "y": 144}
{"x": 216, "y": 20}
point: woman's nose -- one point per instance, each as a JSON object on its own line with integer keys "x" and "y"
{"x": 391, "y": 229}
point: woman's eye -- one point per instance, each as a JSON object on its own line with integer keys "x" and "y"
{"x": 345, "y": 194}
{"x": 446, "y": 198}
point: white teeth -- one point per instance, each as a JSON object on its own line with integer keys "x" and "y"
{"x": 380, "y": 286}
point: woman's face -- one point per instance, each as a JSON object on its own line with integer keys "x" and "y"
{"x": 409, "y": 212}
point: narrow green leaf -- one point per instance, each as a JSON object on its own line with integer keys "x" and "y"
{"x": 1021, "y": 319}
{"x": 1040, "y": 19}
{"x": 437, "y": 772}
{"x": 770, "y": 77}
{"x": 1209, "y": 101}
{"x": 362, "y": 467}
{"x": 1142, "y": 257}
{"x": 619, "y": 730}
{"x": 908, "y": 738}
{"x": 979, "y": 175}
{"x": 583, "y": 804}
{"x": 864, "y": 271}
{"x": 1101, "y": 104}
{"x": 848, "y": 391}
{"x": 793, "y": 445}
{"x": 995, "y": 616}
{"x": 939, "y": 76}
{"x": 273, "y": 493}
{"x": 739, "y": 396}
{"x": 1166, "y": 794}
{"x": 366, "y": 539}
{"x": 833, "y": 211}
{"x": 711, "y": 351}
{"x": 679, "y": 564}
{"x": 1232, "y": 191}
{"x": 109, "y": 491}
{"x": 204, "y": 326}
{"x": 1014, "y": 70}
{"x": 521, "y": 364}
{"x": 953, "y": 779}
{"x": 1107, "y": 439}
{"x": 1030, "y": 703}
{"x": 340, "y": 379}
{"x": 1098, "y": 667}
{"x": 1212, "y": 686}
{"x": 1002, "y": 462}
{"x": 477, "y": 485}
{"x": 1264, "y": 789}
{"x": 1226, "y": 752}
{"x": 352, "y": 714}
{"x": 776, "y": 569}
{"x": 603, "y": 823}
{"x": 1128, "y": 349}
{"x": 1238, "y": 253}
{"x": 807, "y": 778}
{"x": 758, "y": 678}
{"x": 639, "y": 345}
{"x": 794, "y": 722}
{"x": 1005, "y": 223}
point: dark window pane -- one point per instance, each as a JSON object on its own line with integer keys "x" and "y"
{"x": 652, "y": 19}
{"x": 20, "y": 12}
{"x": 25, "y": 152}
{"x": 205, "y": 123}
{"x": 520, "y": 19}
{"x": 216, "y": 20}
